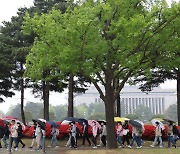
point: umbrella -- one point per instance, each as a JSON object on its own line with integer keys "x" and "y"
{"x": 101, "y": 121}
{"x": 159, "y": 119}
{"x": 9, "y": 118}
{"x": 52, "y": 123}
{"x": 72, "y": 119}
{"x": 160, "y": 123}
{"x": 41, "y": 124}
{"x": 169, "y": 120}
{"x": 83, "y": 120}
{"x": 43, "y": 120}
{"x": 65, "y": 122}
{"x": 90, "y": 122}
{"x": 120, "y": 119}
{"x": 135, "y": 124}
{"x": 6, "y": 122}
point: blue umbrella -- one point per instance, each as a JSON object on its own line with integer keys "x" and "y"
{"x": 52, "y": 123}
{"x": 72, "y": 119}
{"x": 83, "y": 120}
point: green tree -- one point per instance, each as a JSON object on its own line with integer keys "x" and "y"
{"x": 105, "y": 41}
{"x": 6, "y": 69}
{"x": 132, "y": 116}
{"x": 171, "y": 112}
{"x": 143, "y": 112}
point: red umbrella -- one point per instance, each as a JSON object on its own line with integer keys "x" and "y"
{"x": 9, "y": 118}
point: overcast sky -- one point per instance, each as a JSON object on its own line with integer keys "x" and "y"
{"x": 8, "y": 8}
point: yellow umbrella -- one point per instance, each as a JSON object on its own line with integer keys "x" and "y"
{"x": 159, "y": 119}
{"x": 121, "y": 119}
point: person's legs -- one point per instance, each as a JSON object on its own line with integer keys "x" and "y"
{"x": 169, "y": 141}
{"x": 52, "y": 140}
{"x": 4, "y": 139}
{"x": 160, "y": 141}
{"x": 55, "y": 138}
{"x": 32, "y": 143}
{"x": 103, "y": 140}
{"x": 94, "y": 141}
{"x": 132, "y": 141}
{"x": 155, "y": 140}
{"x": 87, "y": 138}
{"x": 127, "y": 138}
{"x": 138, "y": 141}
{"x": 172, "y": 140}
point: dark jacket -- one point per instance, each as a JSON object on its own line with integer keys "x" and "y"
{"x": 6, "y": 131}
{"x": 175, "y": 130}
{"x": 20, "y": 131}
{"x": 85, "y": 130}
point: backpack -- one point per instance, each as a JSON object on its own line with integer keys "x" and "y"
{"x": 57, "y": 132}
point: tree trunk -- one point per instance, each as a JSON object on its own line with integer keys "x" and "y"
{"x": 109, "y": 109}
{"x": 178, "y": 96}
{"x": 22, "y": 101}
{"x": 70, "y": 97}
{"x": 118, "y": 103}
{"x": 111, "y": 137}
{"x": 46, "y": 99}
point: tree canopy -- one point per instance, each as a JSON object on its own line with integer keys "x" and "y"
{"x": 103, "y": 40}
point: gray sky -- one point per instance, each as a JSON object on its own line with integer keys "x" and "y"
{"x": 8, "y": 8}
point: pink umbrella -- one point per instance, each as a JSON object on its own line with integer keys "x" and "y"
{"x": 90, "y": 122}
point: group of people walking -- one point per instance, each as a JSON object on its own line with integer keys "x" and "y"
{"x": 13, "y": 132}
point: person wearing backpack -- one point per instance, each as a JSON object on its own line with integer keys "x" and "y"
{"x": 54, "y": 133}
{"x": 175, "y": 133}
{"x": 158, "y": 135}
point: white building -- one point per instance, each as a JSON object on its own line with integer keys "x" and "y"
{"x": 157, "y": 100}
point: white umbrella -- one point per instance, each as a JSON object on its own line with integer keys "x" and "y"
{"x": 65, "y": 122}
{"x": 43, "y": 120}
{"x": 160, "y": 123}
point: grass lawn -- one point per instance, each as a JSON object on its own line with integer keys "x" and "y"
{"x": 88, "y": 150}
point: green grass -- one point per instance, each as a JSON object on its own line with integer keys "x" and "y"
{"x": 88, "y": 150}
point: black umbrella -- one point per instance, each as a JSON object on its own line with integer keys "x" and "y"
{"x": 41, "y": 124}
{"x": 169, "y": 120}
{"x": 101, "y": 121}
{"x": 135, "y": 124}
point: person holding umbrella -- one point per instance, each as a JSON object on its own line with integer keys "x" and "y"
{"x": 34, "y": 134}
{"x": 103, "y": 133}
{"x": 170, "y": 134}
{"x": 85, "y": 133}
{"x": 73, "y": 135}
{"x": 19, "y": 138}
{"x": 125, "y": 133}
{"x": 54, "y": 133}
{"x": 13, "y": 135}
{"x": 175, "y": 133}
{"x": 119, "y": 132}
{"x": 95, "y": 134}
{"x": 38, "y": 134}
{"x": 158, "y": 135}
{"x": 6, "y": 135}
